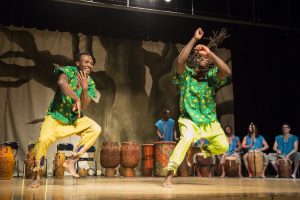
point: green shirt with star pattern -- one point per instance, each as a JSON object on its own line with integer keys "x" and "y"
{"x": 61, "y": 106}
{"x": 198, "y": 99}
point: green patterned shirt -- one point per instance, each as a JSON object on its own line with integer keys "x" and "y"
{"x": 197, "y": 99}
{"x": 61, "y": 106}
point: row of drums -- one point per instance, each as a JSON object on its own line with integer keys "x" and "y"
{"x": 154, "y": 156}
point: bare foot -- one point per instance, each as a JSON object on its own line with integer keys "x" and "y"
{"x": 262, "y": 176}
{"x": 293, "y": 176}
{"x": 250, "y": 175}
{"x": 168, "y": 180}
{"x": 35, "y": 183}
{"x": 240, "y": 176}
{"x": 222, "y": 175}
{"x": 69, "y": 167}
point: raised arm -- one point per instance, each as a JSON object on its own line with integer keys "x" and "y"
{"x": 64, "y": 86}
{"x": 224, "y": 70}
{"x": 84, "y": 83}
{"x": 184, "y": 54}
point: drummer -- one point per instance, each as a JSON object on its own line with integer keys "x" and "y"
{"x": 255, "y": 142}
{"x": 286, "y": 147}
{"x": 165, "y": 127}
{"x": 234, "y": 150}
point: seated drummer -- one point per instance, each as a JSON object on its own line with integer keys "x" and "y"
{"x": 199, "y": 143}
{"x": 255, "y": 142}
{"x": 165, "y": 127}
{"x": 286, "y": 147}
{"x": 234, "y": 149}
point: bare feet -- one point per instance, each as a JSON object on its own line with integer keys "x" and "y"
{"x": 69, "y": 167}
{"x": 168, "y": 180}
{"x": 36, "y": 182}
{"x": 222, "y": 175}
{"x": 262, "y": 176}
{"x": 240, "y": 176}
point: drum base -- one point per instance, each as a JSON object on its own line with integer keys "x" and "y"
{"x": 147, "y": 171}
{"x": 59, "y": 172}
{"x": 109, "y": 172}
{"x": 128, "y": 172}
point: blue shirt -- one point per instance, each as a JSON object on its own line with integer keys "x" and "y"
{"x": 286, "y": 146}
{"x": 258, "y": 144}
{"x": 234, "y": 145}
{"x": 197, "y": 144}
{"x": 166, "y": 128}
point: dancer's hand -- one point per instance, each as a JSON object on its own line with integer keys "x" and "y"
{"x": 83, "y": 79}
{"x": 198, "y": 34}
{"x": 77, "y": 106}
{"x": 287, "y": 157}
{"x": 202, "y": 50}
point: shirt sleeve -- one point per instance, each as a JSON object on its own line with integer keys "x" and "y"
{"x": 92, "y": 89}
{"x": 179, "y": 79}
{"x": 214, "y": 78}
{"x": 62, "y": 70}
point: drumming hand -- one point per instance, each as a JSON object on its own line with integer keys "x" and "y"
{"x": 278, "y": 152}
{"x": 287, "y": 157}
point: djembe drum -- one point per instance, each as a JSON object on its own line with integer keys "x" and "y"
{"x": 205, "y": 165}
{"x": 255, "y": 162}
{"x": 147, "y": 159}
{"x": 29, "y": 161}
{"x": 59, "y": 169}
{"x": 129, "y": 157}
{"x": 110, "y": 157}
{"x": 284, "y": 168}
{"x": 231, "y": 166}
{"x": 7, "y": 162}
{"x": 162, "y": 154}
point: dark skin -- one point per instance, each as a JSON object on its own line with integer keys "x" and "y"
{"x": 85, "y": 65}
{"x": 206, "y": 57}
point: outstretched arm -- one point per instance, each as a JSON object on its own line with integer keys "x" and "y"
{"x": 63, "y": 84}
{"x": 184, "y": 54}
{"x": 224, "y": 70}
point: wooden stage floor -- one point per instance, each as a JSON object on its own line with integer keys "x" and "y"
{"x": 150, "y": 188}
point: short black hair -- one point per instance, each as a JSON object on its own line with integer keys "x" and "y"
{"x": 228, "y": 126}
{"x": 78, "y": 56}
{"x": 166, "y": 111}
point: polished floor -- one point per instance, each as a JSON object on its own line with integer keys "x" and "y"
{"x": 150, "y": 188}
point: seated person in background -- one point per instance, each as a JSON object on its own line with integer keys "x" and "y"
{"x": 286, "y": 147}
{"x": 255, "y": 142}
{"x": 235, "y": 147}
{"x": 165, "y": 128}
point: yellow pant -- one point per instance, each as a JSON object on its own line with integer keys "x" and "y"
{"x": 190, "y": 133}
{"x": 52, "y": 130}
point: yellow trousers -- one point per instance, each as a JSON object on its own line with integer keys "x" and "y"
{"x": 190, "y": 133}
{"x": 52, "y": 130}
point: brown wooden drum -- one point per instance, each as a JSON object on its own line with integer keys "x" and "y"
{"x": 59, "y": 169}
{"x": 129, "y": 157}
{"x": 284, "y": 168}
{"x": 110, "y": 157}
{"x": 231, "y": 166}
{"x": 183, "y": 169}
{"x": 255, "y": 162}
{"x": 147, "y": 159}
{"x": 162, "y": 154}
{"x": 205, "y": 165}
{"x": 29, "y": 162}
{"x": 190, "y": 154}
{"x": 7, "y": 162}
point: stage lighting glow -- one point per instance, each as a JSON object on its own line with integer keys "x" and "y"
{"x": 168, "y": 1}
